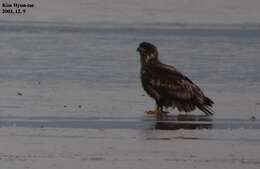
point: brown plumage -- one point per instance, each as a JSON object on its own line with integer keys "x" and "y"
{"x": 168, "y": 86}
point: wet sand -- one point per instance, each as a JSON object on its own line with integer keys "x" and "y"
{"x": 128, "y": 148}
{"x": 38, "y": 131}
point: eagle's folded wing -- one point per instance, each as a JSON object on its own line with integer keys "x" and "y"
{"x": 175, "y": 84}
{"x": 179, "y": 90}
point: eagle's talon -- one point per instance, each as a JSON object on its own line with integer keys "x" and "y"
{"x": 150, "y": 112}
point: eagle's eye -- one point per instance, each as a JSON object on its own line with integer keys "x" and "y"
{"x": 140, "y": 49}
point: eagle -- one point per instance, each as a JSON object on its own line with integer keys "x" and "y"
{"x": 168, "y": 86}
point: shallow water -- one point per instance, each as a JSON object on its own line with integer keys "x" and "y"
{"x": 57, "y": 67}
{"x": 129, "y": 123}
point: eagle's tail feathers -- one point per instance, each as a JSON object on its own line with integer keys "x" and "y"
{"x": 208, "y": 102}
{"x": 207, "y": 110}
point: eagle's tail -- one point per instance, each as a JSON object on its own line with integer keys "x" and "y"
{"x": 207, "y": 110}
{"x": 205, "y": 107}
{"x": 208, "y": 102}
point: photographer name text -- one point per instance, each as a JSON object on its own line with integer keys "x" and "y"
{"x": 15, "y": 8}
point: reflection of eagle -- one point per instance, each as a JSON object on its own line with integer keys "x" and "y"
{"x": 168, "y": 86}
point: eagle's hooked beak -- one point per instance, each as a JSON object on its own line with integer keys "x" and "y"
{"x": 139, "y": 49}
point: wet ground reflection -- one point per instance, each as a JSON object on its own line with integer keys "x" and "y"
{"x": 190, "y": 122}
{"x": 170, "y": 123}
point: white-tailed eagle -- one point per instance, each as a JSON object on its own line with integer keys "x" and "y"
{"x": 169, "y": 87}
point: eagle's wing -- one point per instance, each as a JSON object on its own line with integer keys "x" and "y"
{"x": 168, "y": 79}
{"x": 173, "y": 84}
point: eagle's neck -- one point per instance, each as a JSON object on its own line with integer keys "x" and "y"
{"x": 147, "y": 59}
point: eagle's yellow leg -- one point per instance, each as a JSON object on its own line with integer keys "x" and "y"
{"x": 152, "y": 112}
{"x": 159, "y": 114}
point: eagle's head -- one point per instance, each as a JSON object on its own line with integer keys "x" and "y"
{"x": 148, "y": 53}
